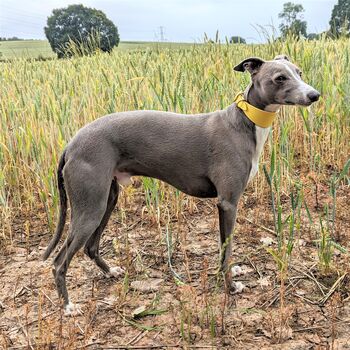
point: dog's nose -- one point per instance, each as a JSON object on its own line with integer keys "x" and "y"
{"x": 313, "y": 96}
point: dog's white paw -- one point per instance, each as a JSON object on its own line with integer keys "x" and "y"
{"x": 237, "y": 287}
{"x": 72, "y": 310}
{"x": 115, "y": 272}
{"x": 236, "y": 271}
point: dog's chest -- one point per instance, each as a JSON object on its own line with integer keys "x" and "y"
{"x": 261, "y": 135}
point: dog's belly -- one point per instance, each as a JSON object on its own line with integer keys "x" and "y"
{"x": 200, "y": 187}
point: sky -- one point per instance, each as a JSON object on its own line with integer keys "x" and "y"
{"x": 181, "y": 20}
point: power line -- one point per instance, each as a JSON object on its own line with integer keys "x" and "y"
{"x": 21, "y": 21}
{"x": 21, "y": 12}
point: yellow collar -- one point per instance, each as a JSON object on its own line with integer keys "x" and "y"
{"x": 257, "y": 116}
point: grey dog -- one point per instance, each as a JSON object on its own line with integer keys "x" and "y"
{"x": 204, "y": 155}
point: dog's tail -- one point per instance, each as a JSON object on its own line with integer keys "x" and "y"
{"x": 63, "y": 209}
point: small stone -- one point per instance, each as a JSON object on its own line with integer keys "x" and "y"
{"x": 138, "y": 311}
{"x": 236, "y": 271}
{"x": 148, "y": 285}
{"x": 238, "y": 286}
{"x": 267, "y": 241}
{"x": 264, "y": 281}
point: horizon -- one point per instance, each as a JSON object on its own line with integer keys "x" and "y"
{"x": 157, "y": 21}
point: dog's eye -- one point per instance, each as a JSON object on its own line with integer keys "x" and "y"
{"x": 281, "y": 79}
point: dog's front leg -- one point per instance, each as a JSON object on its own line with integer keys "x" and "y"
{"x": 227, "y": 219}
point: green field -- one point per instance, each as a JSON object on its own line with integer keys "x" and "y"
{"x": 36, "y": 48}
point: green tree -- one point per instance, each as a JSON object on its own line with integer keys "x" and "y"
{"x": 292, "y": 22}
{"x": 313, "y": 36}
{"x": 340, "y": 19}
{"x": 78, "y": 24}
{"x": 237, "y": 40}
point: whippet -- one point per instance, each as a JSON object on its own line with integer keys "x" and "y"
{"x": 204, "y": 155}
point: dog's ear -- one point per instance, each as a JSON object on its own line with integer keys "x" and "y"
{"x": 282, "y": 57}
{"x": 251, "y": 64}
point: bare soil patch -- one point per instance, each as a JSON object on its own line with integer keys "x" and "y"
{"x": 149, "y": 309}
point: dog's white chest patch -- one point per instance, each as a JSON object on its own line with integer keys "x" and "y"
{"x": 261, "y": 137}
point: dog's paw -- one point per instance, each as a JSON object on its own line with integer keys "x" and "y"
{"x": 237, "y": 287}
{"x": 115, "y": 272}
{"x": 236, "y": 271}
{"x": 72, "y": 310}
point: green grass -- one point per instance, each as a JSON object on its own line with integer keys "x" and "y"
{"x": 25, "y": 48}
{"x": 36, "y": 48}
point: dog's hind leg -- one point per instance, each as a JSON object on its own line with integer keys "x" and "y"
{"x": 81, "y": 229}
{"x": 92, "y": 245}
{"x": 88, "y": 201}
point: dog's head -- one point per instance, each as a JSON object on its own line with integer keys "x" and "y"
{"x": 279, "y": 81}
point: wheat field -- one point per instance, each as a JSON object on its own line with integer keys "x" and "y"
{"x": 305, "y": 178}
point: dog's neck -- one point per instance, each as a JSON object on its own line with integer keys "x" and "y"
{"x": 253, "y": 97}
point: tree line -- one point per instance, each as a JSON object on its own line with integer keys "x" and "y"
{"x": 293, "y": 23}
{"x": 79, "y": 30}
{"x": 13, "y": 38}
